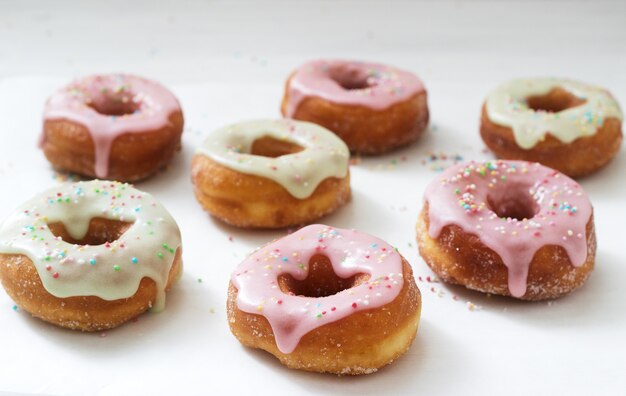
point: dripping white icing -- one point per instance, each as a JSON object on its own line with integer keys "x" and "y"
{"x": 324, "y": 154}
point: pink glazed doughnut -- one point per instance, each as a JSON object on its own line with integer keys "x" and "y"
{"x": 115, "y": 126}
{"x": 512, "y": 228}
{"x": 327, "y": 300}
{"x": 374, "y": 108}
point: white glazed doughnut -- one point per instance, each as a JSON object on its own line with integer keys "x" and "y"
{"x": 110, "y": 270}
{"x": 295, "y": 171}
{"x": 567, "y": 125}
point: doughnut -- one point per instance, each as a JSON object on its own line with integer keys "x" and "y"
{"x": 90, "y": 255}
{"x": 114, "y": 126}
{"x": 271, "y": 173}
{"x": 510, "y": 228}
{"x": 374, "y": 108}
{"x": 325, "y": 299}
{"x": 567, "y": 125}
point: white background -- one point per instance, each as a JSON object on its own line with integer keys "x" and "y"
{"x": 227, "y": 61}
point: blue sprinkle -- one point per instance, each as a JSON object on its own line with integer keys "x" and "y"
{"x": 92, "y": 261}
{"x": 134, "y": 260}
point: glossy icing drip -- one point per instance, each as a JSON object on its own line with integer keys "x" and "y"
{"x": 376, "y": 86}
{"x": 324, "y": 154}
{"x": 149, "y": 106}
{"x": 507, "y": 106}
{"x": 464, "y": 194}
{"x": 110, "y": 271}
{"x": 350, "y": 252}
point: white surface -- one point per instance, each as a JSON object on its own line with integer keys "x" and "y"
{"x": 226, "y": 64}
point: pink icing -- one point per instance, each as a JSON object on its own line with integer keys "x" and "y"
{"x": 350, "y": 253}
{"x": 467, "y": 194}
{"x": 137, "y": 105}
{"x": 371, "y": 85}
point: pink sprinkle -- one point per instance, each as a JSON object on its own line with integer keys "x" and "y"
{"x": 353, "y": 305}
{"x": 55, "y": 275}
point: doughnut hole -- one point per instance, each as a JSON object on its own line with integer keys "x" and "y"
{"x": 322, "y": 281}
{"x": 100, "y": 231}
{"x": 350, "y": 79}
{"x": 267, "y": 146}
{"x": 554, "y": 101}
{"x": 117, "y": 103}
{"x": 515, "y": 203}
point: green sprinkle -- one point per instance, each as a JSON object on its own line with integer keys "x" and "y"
{"x": 160, "y": 255}
{"x": 116, "y": 267}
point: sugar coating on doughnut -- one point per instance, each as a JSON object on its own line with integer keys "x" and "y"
{"x": 350, "y": 252}
{"x": 135, "y": 105}
{"x": 478, "y": 195}
{"x": 371, "y": 85}
{"x": 110, "y": 271}
{"x": 507, "y": 106}
{"x": 324, "y": 155}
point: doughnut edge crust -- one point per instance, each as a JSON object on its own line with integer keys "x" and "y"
{"x": 85, "y": 313}
{"x": 461, "y": 258}
{"x": 579, "y": 158}
{"x": 250, "y": 201}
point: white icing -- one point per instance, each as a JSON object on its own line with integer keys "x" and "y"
{"x": 324, "y": 154}
{"x": 507, "y": 106}
{"x": 146, "y": 250}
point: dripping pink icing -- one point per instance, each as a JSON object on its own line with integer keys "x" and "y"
{"x": 378, "y": 86}
{"x": 561, "y": 211}
{"x": 350, "y": 252}
{"x": 148, "y": 106}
